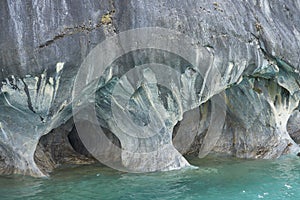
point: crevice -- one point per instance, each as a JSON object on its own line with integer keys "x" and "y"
{"x": 105, "y": 20}
{"x": 29, "y": 103}
{"x": 70, "y": 31}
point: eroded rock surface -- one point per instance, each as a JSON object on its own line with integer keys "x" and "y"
{"x": 253, "y": 45}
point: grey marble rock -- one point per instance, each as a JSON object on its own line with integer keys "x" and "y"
{"x": 254, "y": 45}
{"x": 293, "y": 126}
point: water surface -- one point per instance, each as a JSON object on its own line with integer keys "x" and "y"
{"x": 214, "y": 179}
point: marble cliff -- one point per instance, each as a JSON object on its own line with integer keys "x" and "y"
{"x": 253, "y": 45}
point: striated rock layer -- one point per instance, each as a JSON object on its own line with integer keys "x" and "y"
{"x": 254, "y": 46}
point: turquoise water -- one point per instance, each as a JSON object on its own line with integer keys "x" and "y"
{"x": 214, "y": 179}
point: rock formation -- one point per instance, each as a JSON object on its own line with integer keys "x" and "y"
{"x": 253, "y": 45}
